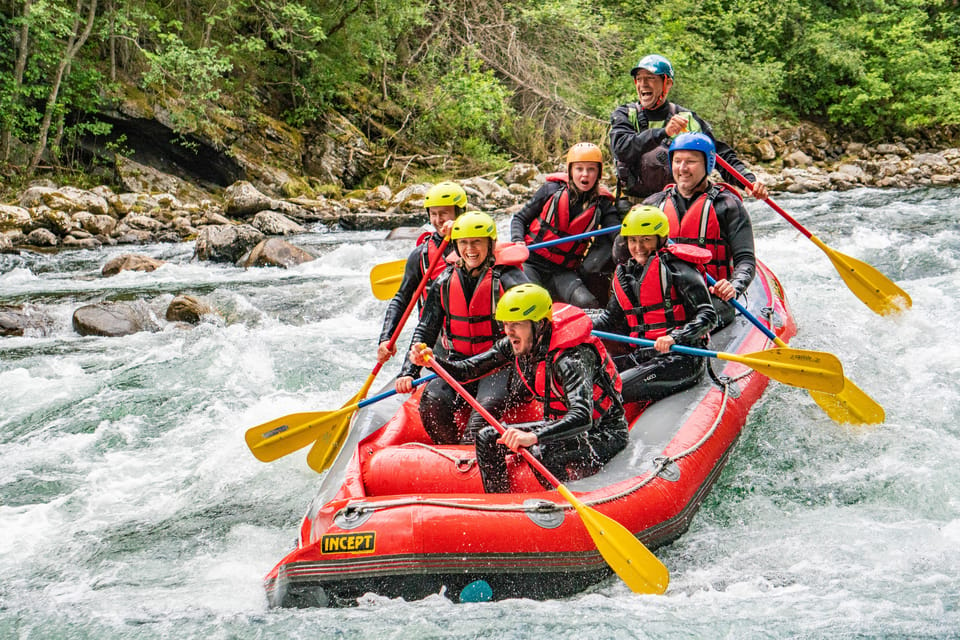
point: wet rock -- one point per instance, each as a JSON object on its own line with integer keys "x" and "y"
{"x": 242, "y": 199}
{"x": 42, "y": 238}
{"x": 6, "y": 244}
{"x": 380, "y": 193}
{"x": 15, "y": 320}
{"x": 112, "y": 319}
{"x": 13, "y": 217}
{"x": 274, "y": 223}
{"x": 226, "y": 243}
{"x": 73, "y": 242}
{"x": 274, "y": 252}
{"x": 407, "y": 233}
{"x": 411, "y": 197}
{"x": 521, "y": 173}
{"x": 96, "y": 224}
{"x": 59, "y": 222}
{"x": 797, "y": 159}
{"x": 765, "y": 149}
{"x": 143, "y": 223}
{"x": 187, "y": 308}
{"x": 130, "y": 262}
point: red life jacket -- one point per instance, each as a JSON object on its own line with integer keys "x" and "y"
{"x": 700, "y": 226}
{"x": 655, "y": 307}
{"x": 469, "y": 327}
{"x": 427, "y": 256}
{"x": 554, "y": 222}
{"x": 572, "y": 327}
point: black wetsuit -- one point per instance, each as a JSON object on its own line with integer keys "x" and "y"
{"x": 439, "y": 402}
{"x": 412, "y": 276}
{"x": 737, "y": 231}
{"x": 646, "y": 373}
{"x": 563, "y": 284}
{"x": 572, "y": 446}
{"x": 640, "y": 152}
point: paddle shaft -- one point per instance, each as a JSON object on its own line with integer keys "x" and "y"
{"x": 416, "y": 296}
{"x": 743, "y": 180}
{"x": 466, "y": 395}
{"x": 643, "y": 342}
{"x": 579, "y": 236}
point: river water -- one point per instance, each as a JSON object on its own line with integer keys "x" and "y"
{"x": 130, "y": 506}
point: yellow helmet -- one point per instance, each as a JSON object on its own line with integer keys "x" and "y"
{"x": 524, "y": 302}
{"x": 446, "y": 193}
{"x": 474, "y": 224}
{"x": 645, "y": 220}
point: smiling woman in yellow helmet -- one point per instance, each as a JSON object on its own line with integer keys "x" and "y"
{"x": 659, "y": 294}
{"x": 568, "y": 203}
{"x": 551, "y": 355}
{"x": 459, "y": 310}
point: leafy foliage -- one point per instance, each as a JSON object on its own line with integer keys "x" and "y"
{"x": 485, "y": 81}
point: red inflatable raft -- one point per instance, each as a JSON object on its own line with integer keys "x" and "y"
{"x": 401, "y": 517}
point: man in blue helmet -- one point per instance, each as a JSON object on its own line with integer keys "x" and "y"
{"x": 708, "y": 215}
{"x": 640, "y": 133}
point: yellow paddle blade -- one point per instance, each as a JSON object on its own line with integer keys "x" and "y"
{"x": 851, "y": 406}
{"x": 817, "y": 370}
{"x": 324, "y": 451}
{"x": 628, "y": 557}
{"x": 284, "y": 435}
{"x": 876, "y": 290}
{"x": 385, "y": 279}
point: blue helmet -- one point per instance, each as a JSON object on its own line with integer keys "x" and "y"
{"x": 696, "y": 142}
{"x": 655, "y": 64}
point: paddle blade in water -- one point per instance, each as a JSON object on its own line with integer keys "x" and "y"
{"x": 324, "y": 451}
{"x": 873, "y": 288}
{"x": 851, "y": 406}
{"x": 628, "y": 557}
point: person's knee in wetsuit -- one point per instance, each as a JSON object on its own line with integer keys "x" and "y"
{"x": 647, "y": 375}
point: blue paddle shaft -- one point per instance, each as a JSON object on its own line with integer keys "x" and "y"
{"x": 393, "y": 392}
{"x": 746, "y": 314}
{"x": 643, "y": 342}
{"x": 579, "y": 236}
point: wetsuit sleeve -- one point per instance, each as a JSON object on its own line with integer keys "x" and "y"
{"x": 737, "y": 228}
{"x": 401, "y": 299}
{"x": 598, "y": 258}
{"x": 500, "y": 354}
{"x": 573, "y": 370}
{"x": 521, "y": 219}
{"x": 512, "y": 276}
{"x": 431, "y": 322}
{"x": 696, "y": 303}
{"x": 727, "y": 153}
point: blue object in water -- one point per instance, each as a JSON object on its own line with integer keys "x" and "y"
{"x": 477, "y": 591}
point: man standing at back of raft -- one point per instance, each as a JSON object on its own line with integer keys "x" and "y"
{"x": 711, "y": 216}
{"x": 460, "y": 310}
{"x": 551, "y": 354}
{"x": 641, "y": 132}
{"x": 444, "y": 202}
